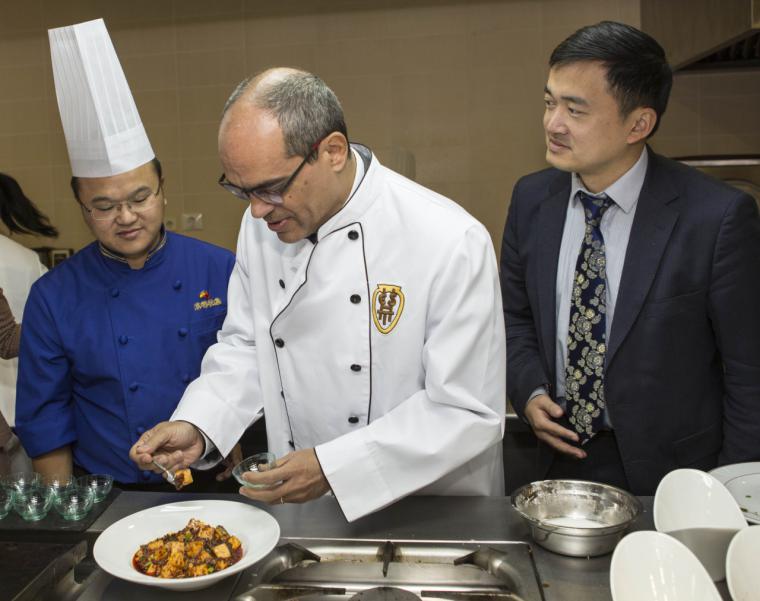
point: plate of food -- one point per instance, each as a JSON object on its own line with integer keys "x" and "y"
{"x": 187, "y": 545}
{"x": 743, "y": 482}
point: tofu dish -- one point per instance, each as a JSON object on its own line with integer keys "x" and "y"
{"x": 196, "y": 550}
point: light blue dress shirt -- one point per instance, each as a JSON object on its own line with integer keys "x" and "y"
{"x": 616, "y": 228}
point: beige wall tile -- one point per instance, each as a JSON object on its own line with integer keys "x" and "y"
{"x": 135, "y": 11}
{"x": 675, "y": 146}
{"x": 61, "y": 14}
{"x": 737, "y": 83}
{"x": 203, "y": 9}
{"x": 21, "y": 16}
{"x": 200, "y": 140}
{"x": 730, "y": 114}
{"x": 157, "y": 106}
{"x": 205, "y": 35}
{"x": 513, "y": 15}
{"x": 150, "y": 72}
{"x": 27, "y": 82}
{"x": 735, "y": 143}
{"x": 143, "y": 38}
{"x": 202, "y": 104}
{"x": 222, "y": 213}
{"x": 301, "y": 56}
{"x": 18, "y": 49}
{"x": 211, "y": 68}
{"x": 22, "y": 116}
{"x": 165, "y": 141}
{"x": 200, "y": 176}
{"x": 24, "y": 150}
{"x": 280, "y": 30}
{"x": 423, "y": 54}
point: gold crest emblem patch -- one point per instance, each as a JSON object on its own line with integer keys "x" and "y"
{"x": 387, "y": 305}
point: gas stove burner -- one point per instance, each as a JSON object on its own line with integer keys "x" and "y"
{"x": 382, "y": 570}
{"x": 385, "y": 593}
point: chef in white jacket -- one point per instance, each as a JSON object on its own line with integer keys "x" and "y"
{"x": 364, "y": 319}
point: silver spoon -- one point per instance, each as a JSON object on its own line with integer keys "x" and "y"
{"x": 167, "y": 473}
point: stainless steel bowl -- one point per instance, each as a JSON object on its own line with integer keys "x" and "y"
{"x": 575, "y": 517}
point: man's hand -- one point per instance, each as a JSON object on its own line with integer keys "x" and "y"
{"x": 230, "y": 461}
{"x": 174, "y": 445}
{"x": 541, "y": 412}
{"x": 297, "y": 478}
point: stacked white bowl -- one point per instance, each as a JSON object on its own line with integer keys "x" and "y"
{"x": 696, "y": 509}
{"x": 652, "y": 566}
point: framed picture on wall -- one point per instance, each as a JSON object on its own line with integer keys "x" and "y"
{"x": 59, "y": 255}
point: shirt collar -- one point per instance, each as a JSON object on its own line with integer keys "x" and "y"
{"x": 625, "y": 190}
{"x": 114, "y": 256}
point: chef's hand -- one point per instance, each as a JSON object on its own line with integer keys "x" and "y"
{"x": 175, "y": 445}
{"x": 230, "y": 461}
{"x": 296, "y": 478}
{"x": 541, "y": 412}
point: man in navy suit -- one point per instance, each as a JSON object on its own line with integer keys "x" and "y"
{"x": 631, "y": 283}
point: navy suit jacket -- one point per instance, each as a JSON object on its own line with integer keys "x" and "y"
{"x": 682, "y": 372}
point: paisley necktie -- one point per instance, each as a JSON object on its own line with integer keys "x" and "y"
{"x": 586, "y": 336}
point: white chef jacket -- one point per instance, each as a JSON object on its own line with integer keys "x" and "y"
{"x": 395, "y": 398}
{"x": 19, "y": 269}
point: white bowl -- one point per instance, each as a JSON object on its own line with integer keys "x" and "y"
{"x": 741, "y": 565}
{"x": 652, "y": 566}
{"x": 257, "y": 530}
{"x": 743, "y": 481}
{"x": 700, "y": 512}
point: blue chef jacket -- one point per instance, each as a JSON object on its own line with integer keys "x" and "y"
{"x": 107, "y": 351}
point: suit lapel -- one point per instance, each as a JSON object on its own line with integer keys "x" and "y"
{"x": 652, "y": 226}
{"x": 551, "y": 222}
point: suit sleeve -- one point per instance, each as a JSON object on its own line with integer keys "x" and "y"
{"x": 525, "y": 371}
{"x": 44, "y": 407}
{"x": 733, "y": 297}
{"x": 229, "y": 379}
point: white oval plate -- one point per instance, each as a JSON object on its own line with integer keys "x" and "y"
{"x": 257, "y": 530}
{"x": 743, "y": 482}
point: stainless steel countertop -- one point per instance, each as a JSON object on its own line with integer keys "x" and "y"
{"x": 483, "y": 519}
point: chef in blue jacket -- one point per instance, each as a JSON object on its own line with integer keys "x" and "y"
{"x": 113, "y": 335}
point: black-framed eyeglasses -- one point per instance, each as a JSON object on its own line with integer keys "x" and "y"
{"x": 106, "y": 210}
{"x": 273, "y": 196}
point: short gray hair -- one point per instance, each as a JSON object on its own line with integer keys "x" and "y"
{"x": 304, "y": 106}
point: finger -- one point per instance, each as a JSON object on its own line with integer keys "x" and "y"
{"x": 270, "y": 496}
{"x": 225, "y": 475}
{"x": 152, "y": 440}
{"x": 554, "y": 429}
{"x": 559, "y": 445}
{"x": 272, "y": 476}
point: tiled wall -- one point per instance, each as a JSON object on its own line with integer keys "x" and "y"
{"x": 452, "y": 89}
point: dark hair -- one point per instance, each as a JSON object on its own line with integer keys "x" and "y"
{"x": 19, "y": 214}
{"x": 638, "y": 73}
{"x": 306, "y": 109}
{"x": 156, "y": 165}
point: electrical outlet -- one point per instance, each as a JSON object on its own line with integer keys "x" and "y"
{"x": 192, "y": 221}
{"x": 170, "y": 223}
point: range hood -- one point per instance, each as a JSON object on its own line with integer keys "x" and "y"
{"x": 705, "y": 35}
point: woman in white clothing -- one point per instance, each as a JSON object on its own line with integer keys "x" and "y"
{"x": 19, "y": 268}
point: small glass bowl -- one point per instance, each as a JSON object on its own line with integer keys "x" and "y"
{"x": 58, "y": 484}
{"x": 22, "y": 481}
{"x": 99, "y": 483}
{"x": 74, "y": 502}
{"x": 33, "y": 504}
{"x": 260, "y": 462}
{"x": 6, "y": 501}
